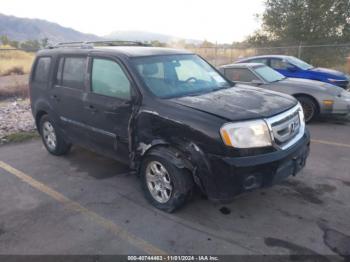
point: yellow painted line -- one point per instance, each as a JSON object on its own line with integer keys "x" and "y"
{"x": 329, "y": 143}
{"x": 74, "y": 206}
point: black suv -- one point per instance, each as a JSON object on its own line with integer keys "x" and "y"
{"x": 168, "y": 114}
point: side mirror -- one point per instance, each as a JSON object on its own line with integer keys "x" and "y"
{"x": 257, "y": 82}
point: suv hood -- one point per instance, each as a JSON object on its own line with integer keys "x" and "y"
{"x": 329, "y": 72}
{"x": 240, "y": 102}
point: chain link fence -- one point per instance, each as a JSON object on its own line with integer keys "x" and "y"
{"x": 331, "y": 56}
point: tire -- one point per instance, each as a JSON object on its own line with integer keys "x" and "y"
{"x": 310, "y": 108}
{"x": 52, "y": 137}
{"x": 179, "y": 180}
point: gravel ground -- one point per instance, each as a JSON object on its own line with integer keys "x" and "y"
{"x": 15, "y": 116}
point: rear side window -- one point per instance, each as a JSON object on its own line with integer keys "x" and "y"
{"x": 42, "y": 69}
{"x": 71, "y": 72}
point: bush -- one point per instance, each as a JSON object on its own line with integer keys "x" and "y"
{"x": 14, "y": 91}
{"x": 16, "y": 70}
{"x": 10, "y": 59}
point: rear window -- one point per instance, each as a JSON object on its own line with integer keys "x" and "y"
{"x": 240, "y": 74}
{"x": 42, "y": 69}
{"x": 71, "y": 72}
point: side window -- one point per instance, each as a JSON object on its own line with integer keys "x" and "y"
{"x": 108, "y": 79}
{"x": 59, "y": 71}
{"x": 42, "y": 69}
{"x": 259, "y": 60}
{"x": 240, "y": 74}
{"x": 279, "y": 64}
{"x": 73, "y": 72}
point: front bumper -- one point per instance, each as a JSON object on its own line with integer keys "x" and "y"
{"x": 229, "y": 177}
{"x": 340, "y": 107}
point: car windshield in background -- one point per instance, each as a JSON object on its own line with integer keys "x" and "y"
{"x": 299, "y": 63}
{"x": 178, "y": 75}
{"x": 268, "y": 74}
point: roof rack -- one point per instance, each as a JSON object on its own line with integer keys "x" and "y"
{"x": 92, "y": 44}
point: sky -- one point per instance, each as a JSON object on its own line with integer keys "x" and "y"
{"x": 223, "y": 21}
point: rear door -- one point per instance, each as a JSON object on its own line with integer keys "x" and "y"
{"x": 108, "y": 107}
{"x": 67, "y": 95}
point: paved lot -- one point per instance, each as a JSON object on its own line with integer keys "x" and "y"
{"x": 87, "y": 204}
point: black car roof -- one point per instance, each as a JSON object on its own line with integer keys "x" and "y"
{"x": 130, "y": 51}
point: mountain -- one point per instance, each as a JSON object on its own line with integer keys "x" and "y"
{"x": 147, "y": 36}
{"x": 21, "y": 29}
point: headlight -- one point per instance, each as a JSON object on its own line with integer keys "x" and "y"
{"x": 345, "y": 95}
{"x": 246, "y": 134}
{"x": 333, "y": 80}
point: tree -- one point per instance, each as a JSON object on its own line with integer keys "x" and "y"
{"x": 206, "y": 44}
{"x": 304, "y": 21}
{"x": 30, "y": 45}
{"x": 4, "y": 40}
{"x": 44, "y": 42}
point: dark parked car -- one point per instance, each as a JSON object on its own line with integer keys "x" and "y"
{"x": 316, "y": 98}
{"x": 168, "y": 114}
{"x": 291, "y": 66}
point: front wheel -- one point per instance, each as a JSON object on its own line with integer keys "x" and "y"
{"x": 166, "y": 186}
{"x": 310, "y": 108}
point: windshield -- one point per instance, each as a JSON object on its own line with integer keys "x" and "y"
{"x": 268, "y": 74}
{"x": 299, "y": 63}
{"x": 178, "y": 75}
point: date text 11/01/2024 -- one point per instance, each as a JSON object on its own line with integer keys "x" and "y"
{"x": 174, "y": 258}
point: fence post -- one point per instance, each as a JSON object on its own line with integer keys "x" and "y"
{"x": 216, "y": 53}
{"x": 299, "y": 50}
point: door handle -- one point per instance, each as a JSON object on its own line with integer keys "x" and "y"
{"x": 123, "y": 105}
{"x": 91, "y": 108}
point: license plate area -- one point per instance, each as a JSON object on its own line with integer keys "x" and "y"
{"x": 290, "y": 167}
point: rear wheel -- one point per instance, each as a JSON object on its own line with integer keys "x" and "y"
{"x": 310, "y": 108}
{"x": 166, "y": 186}
{"x": 52, "y": 137}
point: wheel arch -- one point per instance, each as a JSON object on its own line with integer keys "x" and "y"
{"x": 38, "y": 116}
{"x": 310, "y": 97}
{"x": 185, "y": 156}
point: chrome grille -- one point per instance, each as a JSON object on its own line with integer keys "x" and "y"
{"x": 287, "y": 128}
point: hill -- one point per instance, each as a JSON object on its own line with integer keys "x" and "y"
{"x": 147, "y": 36}
{"x": 21, "y": 29}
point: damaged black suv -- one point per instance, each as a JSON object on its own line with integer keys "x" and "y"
{"x": 168, "y": 114}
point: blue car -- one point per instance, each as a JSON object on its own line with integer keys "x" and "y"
{"x": 291, "y": 66}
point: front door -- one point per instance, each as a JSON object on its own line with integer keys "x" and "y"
{"x": 108, "y": 107}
